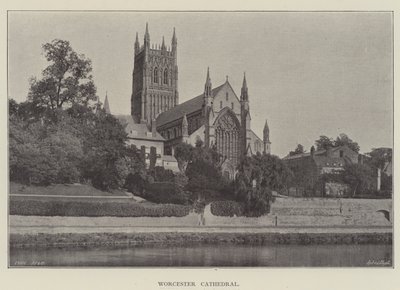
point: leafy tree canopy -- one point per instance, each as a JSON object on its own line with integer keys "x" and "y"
{"x": 360, "y": 178}
{"x": 325, "y": 142}
{"x": 299, "y": 150}
{"x": 65, "y": 81}
{"x": 380, "y": 157}
{"x": 343, "y": 139}
{"x": 257, "y": 176}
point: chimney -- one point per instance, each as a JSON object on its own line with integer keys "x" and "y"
{"x": 312, "y": 150}
{"x": 329, "y": 151}
{"x": 360, "y": 159}
{"x": 378, "y": 181}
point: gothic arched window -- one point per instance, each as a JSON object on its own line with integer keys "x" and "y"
{"x": 155, "y": 75}
{"x": 165, "y": 77}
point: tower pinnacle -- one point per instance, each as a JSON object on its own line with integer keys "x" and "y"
{"x": 267, "y": 143}
{"x": 147, "y": 36}
{"x": 244, "y": 93}
{"x": 207, "y": 86}
{"x": 174, "y": 40}
{"x": 106, "y": 105}
{"x": 137, "y": 44}
{"x": 174, "y": 43}
{"x": 163, "y": 44}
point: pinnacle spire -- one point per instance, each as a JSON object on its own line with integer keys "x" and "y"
{"x": 185, "y": 128}
{"x": 137, "y": 45}
{"x": 207, "y": 86}
{"x": 244, "y": 95}
{"x": 244, "y": 85}
{"x": 266, "y": 131}
{"x": 184, "y": 121}
{"x": 147, "y": 36}
{"x": 163, "y": 43}
{"x": 266, "y": 125}
{"x": 174, "y": 37}
{"x": 106, "y": 105}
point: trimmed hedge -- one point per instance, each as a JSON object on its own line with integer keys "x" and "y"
{"x": 227, "y": 208}
{"x": 95, "y": 209}
{"x": 165, "y": 192}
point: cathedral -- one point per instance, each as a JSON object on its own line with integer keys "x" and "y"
{"x": 217, "y": 117}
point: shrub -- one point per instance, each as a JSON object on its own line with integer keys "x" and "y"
{"x": 227, "y": 208}
{"x": 160, "y": 174}
{"x": 165, "y": 192}
{"x": 95, "y": 209}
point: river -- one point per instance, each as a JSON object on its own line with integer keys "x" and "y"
{"x": 209, "y": 256}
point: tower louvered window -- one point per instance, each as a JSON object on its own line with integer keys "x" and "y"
{"x": 155, "y": 76}
{"x": 165, "y": 77}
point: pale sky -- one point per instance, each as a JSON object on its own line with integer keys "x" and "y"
{"x": 309, "y": 74}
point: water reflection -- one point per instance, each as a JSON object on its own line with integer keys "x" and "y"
{"x": 209, "y": 255}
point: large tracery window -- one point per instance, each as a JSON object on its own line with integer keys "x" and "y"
{"x": 227, "y": 137}
{"x": 155, "y": 75}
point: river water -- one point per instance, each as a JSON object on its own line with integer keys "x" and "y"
{"x": 209, "y": 256}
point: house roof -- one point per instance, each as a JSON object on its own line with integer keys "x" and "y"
{"x": 316, "y": 153}
{"x": 303, "y": 155}
{"x": 321, "y": 159}
{"x": 137, "y": 131}
{"x": 254, "y": 136}
{"x": 187, "y": 108}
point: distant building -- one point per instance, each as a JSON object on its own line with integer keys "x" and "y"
{"x": 308, "y": 167}
{"x": 388, "y": 168}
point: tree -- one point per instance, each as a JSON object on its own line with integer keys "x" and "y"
{"x": 205, "y": 180}
{"x": 343, "y": 139}
{"x": 183, "y": 154}
{"x": 324, "y": 142}
{"x": 107, "y": 161}
{"x": 257, "y": 177}
{"x": 43, "y": 153}
{"x": 66, "y": 81}
{"x": 380, "y": 157}
{"x": 299, "y": 150}
{"x": 359, "y": 177}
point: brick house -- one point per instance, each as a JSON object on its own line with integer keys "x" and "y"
{"x": 309, "y": 167}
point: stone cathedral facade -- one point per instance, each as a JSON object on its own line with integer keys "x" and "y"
{"x": 217, "y": 117}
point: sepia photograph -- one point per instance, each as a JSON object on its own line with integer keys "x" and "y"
{"x": 151, "y": 139}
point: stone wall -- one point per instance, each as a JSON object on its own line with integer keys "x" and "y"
{"x": 314, "y": 212}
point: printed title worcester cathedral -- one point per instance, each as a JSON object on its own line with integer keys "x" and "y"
{"x": 216, "y": 116}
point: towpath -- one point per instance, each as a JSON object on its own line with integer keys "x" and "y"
{"x": 189, "y": 229}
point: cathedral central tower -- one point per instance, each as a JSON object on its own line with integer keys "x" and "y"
{"x": 155, "y": 79}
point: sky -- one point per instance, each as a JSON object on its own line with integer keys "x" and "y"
{"x": 308, "y": 73}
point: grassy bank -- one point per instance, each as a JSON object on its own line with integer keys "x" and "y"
{"x": 62, "y": 189}
{"x": 141, "y": 239}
